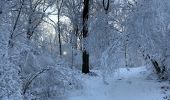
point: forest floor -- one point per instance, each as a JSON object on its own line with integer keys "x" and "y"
{"x": 133, "y": 84}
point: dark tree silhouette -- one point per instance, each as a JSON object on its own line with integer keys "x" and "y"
{"x": 85, "y": 65}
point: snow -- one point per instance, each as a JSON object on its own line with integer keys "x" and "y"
{"x": 132, "y": 84}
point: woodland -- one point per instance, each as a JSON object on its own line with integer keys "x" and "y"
{"x": 84, "y": 49}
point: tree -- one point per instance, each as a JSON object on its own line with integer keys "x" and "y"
{"x": 85, "y": 65}
{"x": 74, "y": 13}
{"x": 10, "y": 83}
{"x": 35, "y": 11}
{"x": 148, "y": 23}
{"x": 59, "y": 8}
{"x": 11, "y": 41}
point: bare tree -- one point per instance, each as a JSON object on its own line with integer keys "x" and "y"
{"x": 85, "y": 65}
{"x": 15, "y": 24}
{"x": 59, "y": 7}
{"x": 35, "y": 15}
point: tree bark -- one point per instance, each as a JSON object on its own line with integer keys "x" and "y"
{"x": 59, "y": 30}
{"x": 59, "y": 33}
{"x": 85, "y": 56}
{"x": 106, "y": 7}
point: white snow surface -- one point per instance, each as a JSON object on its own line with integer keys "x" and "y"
{"x": 133, "y": 84}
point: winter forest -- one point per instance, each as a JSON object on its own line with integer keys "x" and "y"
{"x": 84, "y": 49}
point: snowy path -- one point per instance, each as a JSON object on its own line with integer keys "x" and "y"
{"x": 126, "y": 85}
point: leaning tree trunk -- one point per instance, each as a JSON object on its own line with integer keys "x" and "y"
{"x": 85, "y": 57}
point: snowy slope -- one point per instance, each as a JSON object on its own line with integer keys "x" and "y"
{"x": 132, "y": 84}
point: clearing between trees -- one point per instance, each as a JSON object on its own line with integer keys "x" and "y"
{"x": 127, "y": 84}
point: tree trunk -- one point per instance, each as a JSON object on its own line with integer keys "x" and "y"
{"x": 10, "y": 42}
{"x": 59, "y": 33}
{"x": 59, "y": 7}
{"x": 106, "y": 7}
{"x": 85, "y": 65}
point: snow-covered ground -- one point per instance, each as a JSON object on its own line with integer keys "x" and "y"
{"x": 132, "y": 84}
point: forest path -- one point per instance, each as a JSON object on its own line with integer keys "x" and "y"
{"x": 132, "y": 84}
